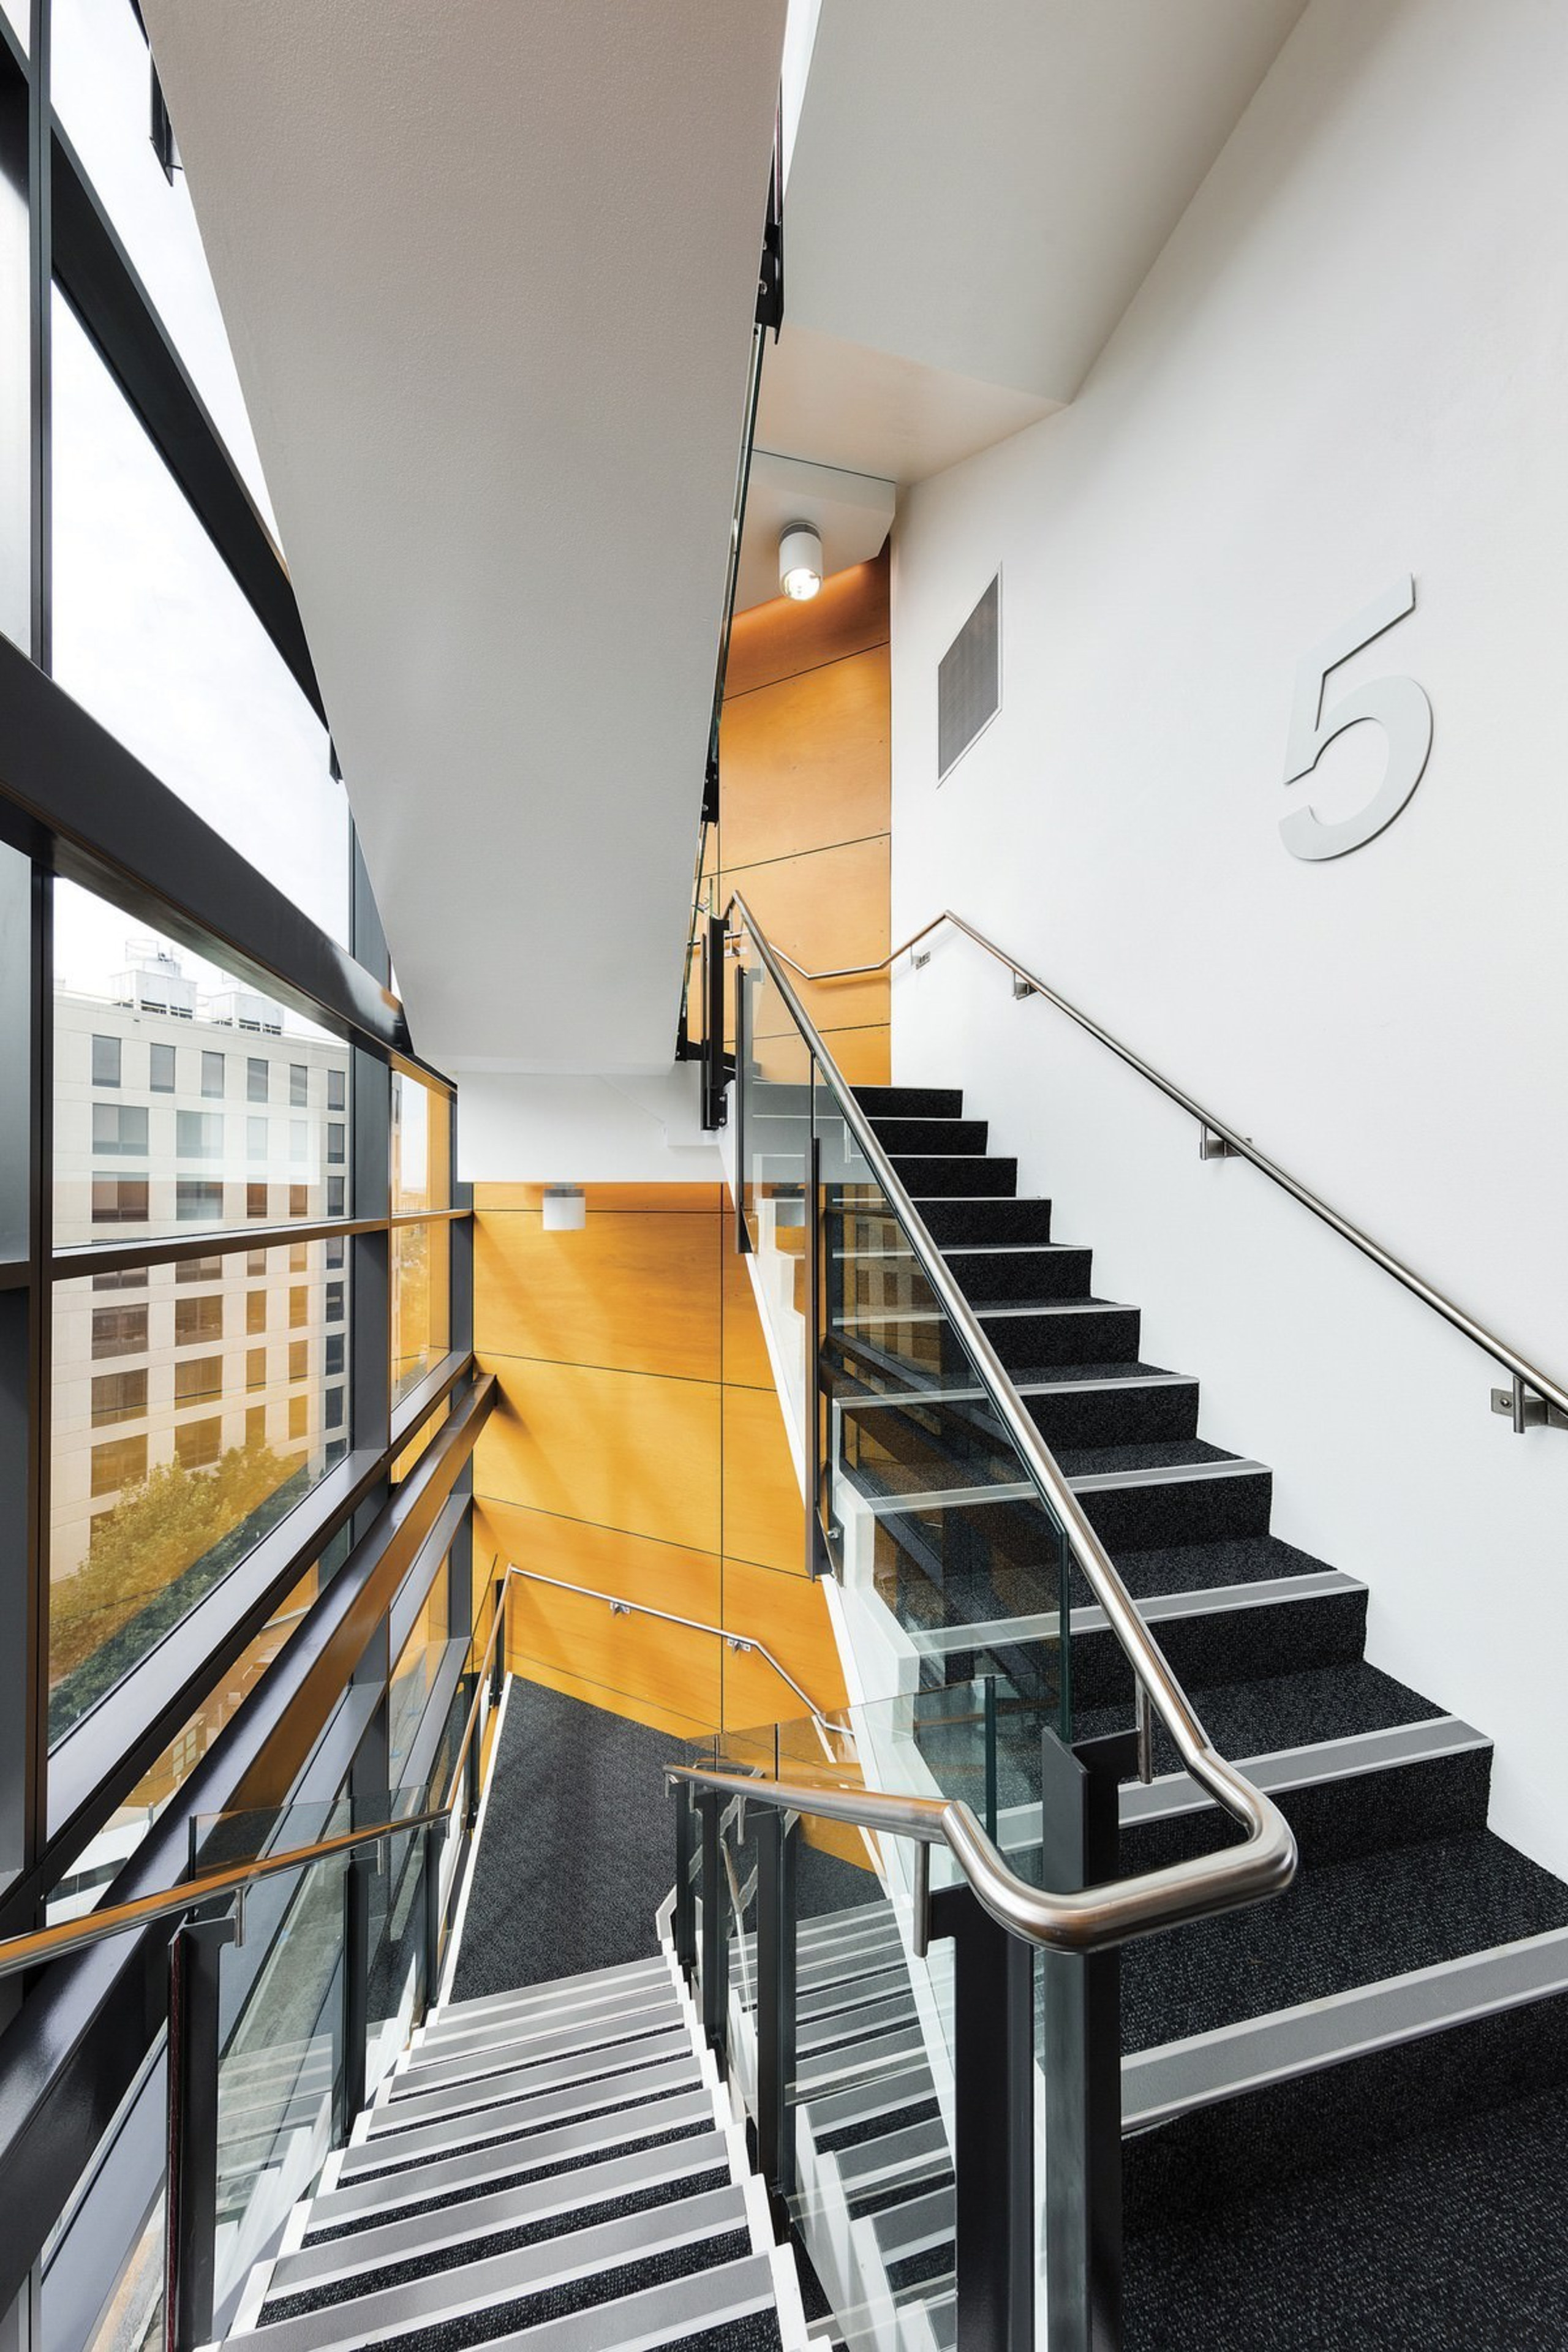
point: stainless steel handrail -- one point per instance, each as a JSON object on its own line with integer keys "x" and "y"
{"x": 1539, "y": 1383}
{"x": 31, "y": 1951}
{"x": 745, "y": 1642}
{"x": 1265, "y": 1861}
{"x": 1073, "y": 1922}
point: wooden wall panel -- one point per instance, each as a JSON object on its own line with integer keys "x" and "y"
{"x": 792, "y": 1615}
{"x": 826, "y": 908}
{"x": 763, "y": 1515}
{"x": 618, "y": 1449}
{"x": 631, "y": 1293}
{"x": 636, "y": 1482}
{"x": 782, "y": 638}
{"x": 806, "y": 762}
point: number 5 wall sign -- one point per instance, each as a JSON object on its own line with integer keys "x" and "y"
{"x": 1399, "y": 708}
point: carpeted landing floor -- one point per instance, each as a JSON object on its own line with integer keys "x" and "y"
{"x": 577, "y": 1850}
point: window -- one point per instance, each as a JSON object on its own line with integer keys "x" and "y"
{"x": 337, "y": 1143}
{"x": 421, "y": 1146}
{"x": 125, "y": 1278}
{"x": 212, "y": 1072}
{"x": 333, "y": 1418}
{"x": 334, "y": 1253}
{"x": 196, "y": 1196}
{"x": 198, "y": 1443}
{"x": 199, "y": 1269}
{"x": 300, "y": 1257}
{"x": 120, "y": 1200}
{"x": 334, "y": 1302}
{"x": 255, "y": 1200}
{"x": 335, "y": 1197}
{"x": 256, "y": 1139}
{"x": 299, "y": 1359}
{"x": 333, "y": 1360}
{"x": 255, "y": 1428}
{"x": 198, "y": 1134}
{"x": 299, "y": 1416}
{"x": 256, "y": 1368}
{"x": 337, "y": 1089}
{"x": 255, "y": 1262}
{"x": 118, "y": 1396}
{"x": 106, "y": 1061}
{"x": 121, "y": 1463}
{"x": 299, "y": 1200}
{"x": 257, "y": 1071}
{"x": 299, "y": 1307}
{"x": 198, "y": 1379}
{"x": 298, "y": 1138}
{"x": 420, "y": 1304}
{"x": 256, "y": 1310}
{"x": 120, "y": 1126}
{"x": 197, "y": 1320}
{"x": 118, "y": 1330}
{"x": 161, "y": 1069}
{"x": 299, "y": 1083}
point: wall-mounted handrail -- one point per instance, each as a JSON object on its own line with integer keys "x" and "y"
{"x": 1265, "y": 1861}
{"x": 742, "y": 1642}
{"x": 1529, "y": 1379}
{"x": 68, "y": 1935}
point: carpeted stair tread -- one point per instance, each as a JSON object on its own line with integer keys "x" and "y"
{"x": 606, "y": 2286}
{"x": 1341, "y": 1924}
{"x": 1281, "y": 1711}
{"x": 482, "y": 2187}
{"x": 1205, "y": 1567}
{"x": 498, "y": 2241}
{"x": 1454, "y": 2240}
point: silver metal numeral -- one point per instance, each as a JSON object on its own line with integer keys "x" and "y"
{"x": 1399, "y": 706}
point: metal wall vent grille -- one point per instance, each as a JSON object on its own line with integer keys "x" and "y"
{"x": 969, "y": 681}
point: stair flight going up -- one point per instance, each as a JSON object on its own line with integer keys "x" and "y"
{"x": 1345, "y": 2111}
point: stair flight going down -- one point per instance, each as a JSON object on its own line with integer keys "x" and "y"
{"x": 555, "y": 2170}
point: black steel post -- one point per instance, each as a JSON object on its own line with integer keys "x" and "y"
{"x": 359, "y": 1879}
{"x": 1082, "y": 2053}
{"x": 191, "y": 2179}
{"x": 685, "y": 1921}
{"x": 776, "y": 1997}
{"x": 993, "y": 2136}
{"x": 817, "y": 1560}
{"x": 743, "y": 1238}
{"x": 715, "y": 1943}
{"x": 474, "y": 1774}
{"x": 498, "y": 1656}
{"x": 713, "y": 1023}
{"x": 989, "y": 1687}
{"x": 435, "y": 1837}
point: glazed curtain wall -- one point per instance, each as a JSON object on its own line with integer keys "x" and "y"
{"x": 638, "y": 1447}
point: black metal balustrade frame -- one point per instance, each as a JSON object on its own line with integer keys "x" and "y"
{"x": 75, "y": 805}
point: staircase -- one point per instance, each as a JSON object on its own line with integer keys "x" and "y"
{"x": 1345, "y": 2112}
{"x": 555, "y": 2169}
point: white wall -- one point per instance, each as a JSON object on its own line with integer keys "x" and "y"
{"x": 513, "y": 1129}
{"x": 1350, "y": 362}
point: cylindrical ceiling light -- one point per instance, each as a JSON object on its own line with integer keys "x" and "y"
{"x": 565, "y": 1208}
{"x": 800, "y": 561}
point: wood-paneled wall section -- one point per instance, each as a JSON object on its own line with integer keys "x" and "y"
{"x": 638, "y": 1447}
{"x": 806, "y": 795}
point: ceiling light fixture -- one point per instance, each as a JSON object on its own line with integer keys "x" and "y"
{"x": 565, "y": 1208}
{"x": 800, "y": 561}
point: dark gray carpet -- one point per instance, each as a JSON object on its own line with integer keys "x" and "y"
{"x": 577, "y": 1850}
{"x": 1452, "y": 2243}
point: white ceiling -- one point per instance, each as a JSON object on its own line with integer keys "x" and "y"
{"x": 489, "y": 273}
{"x": 975, "y": 195}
